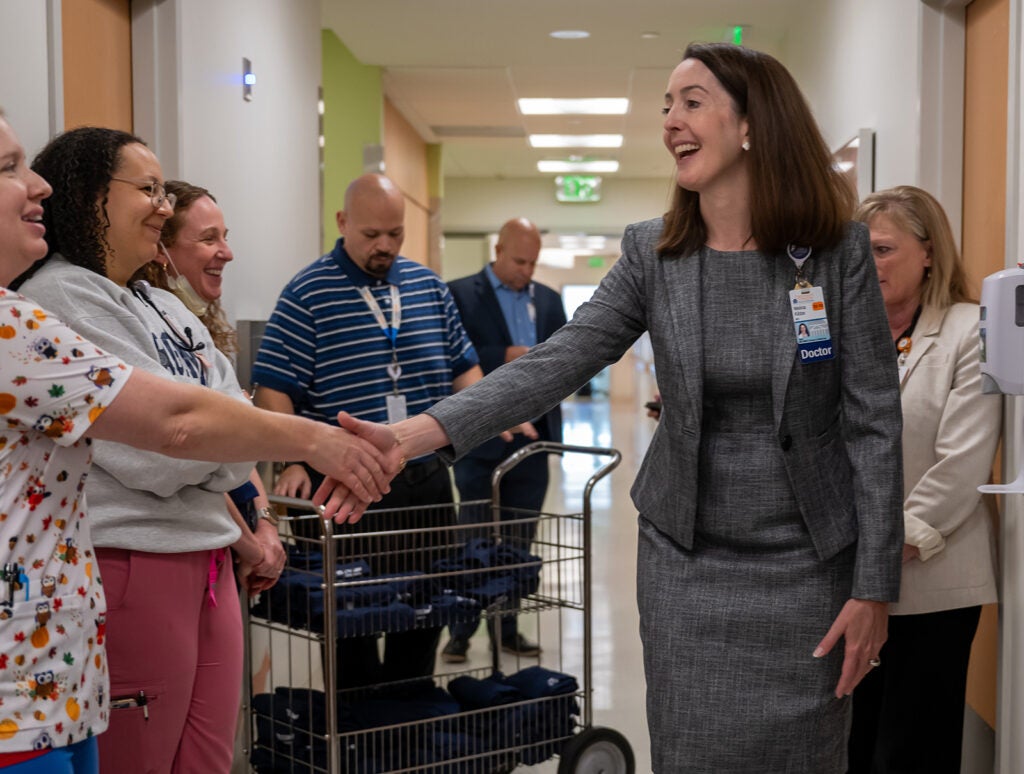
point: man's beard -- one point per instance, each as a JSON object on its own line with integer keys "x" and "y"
{"x": 379, "y": 264}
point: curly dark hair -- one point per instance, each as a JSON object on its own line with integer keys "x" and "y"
{"x": 215, "y": 320}
{"x": 79, "y": 164}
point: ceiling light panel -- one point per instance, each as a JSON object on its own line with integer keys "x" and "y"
{"x": 576, "y": 140}
{"x": 601, "y": 106}
{"x": 569, "y": 34}
{"x": 595, "y": 166}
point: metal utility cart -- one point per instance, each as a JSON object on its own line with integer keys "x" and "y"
{"x": 307, "y": 713}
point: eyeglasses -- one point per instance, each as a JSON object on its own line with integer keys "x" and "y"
{"x": 156, "y": 191}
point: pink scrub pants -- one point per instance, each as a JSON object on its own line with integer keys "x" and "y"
{"x": 175, "y": 659}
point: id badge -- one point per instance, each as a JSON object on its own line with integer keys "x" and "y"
{"x": 810, "y": 324}
{"x": 396, "y": 408}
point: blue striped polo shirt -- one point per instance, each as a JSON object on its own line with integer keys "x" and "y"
{"x": 325, "y": 350}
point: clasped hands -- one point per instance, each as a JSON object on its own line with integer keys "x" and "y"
{"x": 359, "y": 462}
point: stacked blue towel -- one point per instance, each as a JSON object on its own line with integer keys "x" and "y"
{"x": 533, "y": 710}
{"x": 493, "y": 573}
{"x": 390, "y": 603}
{"x": 287, "y": 724}
{"x": 448, "y": 608}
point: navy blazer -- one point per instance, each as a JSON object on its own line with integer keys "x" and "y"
{"x": 838, "y": 421}
{"x": 484, "y": 322}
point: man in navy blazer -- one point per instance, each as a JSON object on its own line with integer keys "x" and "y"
{"x": 505, "y": 313}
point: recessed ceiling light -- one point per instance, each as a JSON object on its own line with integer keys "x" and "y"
{"x": 576, "y": 140}
{"x": 577, "y": 242}
{"x": 570, "y": 34}
{"x": 610, "y": 106}
{"x": 601, "y": 165}
{"x": 557, "y": 258}
{"x": 649, "y": 35}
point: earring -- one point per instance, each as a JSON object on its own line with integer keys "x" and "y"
{"x": 746, "y": 145}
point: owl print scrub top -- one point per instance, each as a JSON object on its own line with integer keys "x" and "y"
{"x": 53, "y": 671}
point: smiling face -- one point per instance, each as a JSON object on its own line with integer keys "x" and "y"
{"x": 135, "y": 225}
{"x": 901, "y": 260}
{"x": 200, "y": 250}
{"x": 22, "y": 235}
{"x": 703, "y": 131}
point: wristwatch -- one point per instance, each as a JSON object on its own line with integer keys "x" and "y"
{"x": 269, "y": 514}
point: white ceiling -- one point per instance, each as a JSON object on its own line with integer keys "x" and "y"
{"x": 455, "y": 68}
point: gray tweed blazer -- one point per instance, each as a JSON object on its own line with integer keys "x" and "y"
{"x": 838, "y": 421}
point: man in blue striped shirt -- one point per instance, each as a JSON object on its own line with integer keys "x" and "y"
{"x": 366, "y": 331}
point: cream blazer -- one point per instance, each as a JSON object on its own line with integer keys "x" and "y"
{"x": 950, "y": 434}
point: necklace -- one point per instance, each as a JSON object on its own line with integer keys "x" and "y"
{"x": 903, "y": 347}
{"x": 905, "y": 340}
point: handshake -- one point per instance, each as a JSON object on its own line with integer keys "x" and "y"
{"x": 359, "y": 460}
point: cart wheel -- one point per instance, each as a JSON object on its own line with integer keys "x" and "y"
{"x": 597, "y": 751}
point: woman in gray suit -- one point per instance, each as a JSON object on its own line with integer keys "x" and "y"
{"x": 908, "y": 716}
{"x": 770, "y": 519}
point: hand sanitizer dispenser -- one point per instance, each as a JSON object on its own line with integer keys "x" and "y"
{"x": 1001, "y": 330}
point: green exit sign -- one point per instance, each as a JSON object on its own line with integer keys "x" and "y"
{"x": 578, "y": 188}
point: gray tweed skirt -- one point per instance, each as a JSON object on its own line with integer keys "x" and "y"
{"x": 729, "y": 627}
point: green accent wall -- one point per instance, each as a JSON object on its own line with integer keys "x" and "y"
{"x": 353, "y": 119}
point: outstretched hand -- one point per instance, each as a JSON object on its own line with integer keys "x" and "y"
{"x": 354, "y": 465}
{"x": 863, "y": 624}
{"x": 337, "y": 498}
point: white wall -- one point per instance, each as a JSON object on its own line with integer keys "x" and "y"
{"x": 858, "y": 64}
{"x": 26, "y": 88}
{"x": 259, "y": 158}
{"x": 894, "y": 66}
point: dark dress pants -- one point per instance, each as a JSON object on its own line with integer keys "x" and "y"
{"x": 522, "y": 492}
{"x": 908, "y": 714}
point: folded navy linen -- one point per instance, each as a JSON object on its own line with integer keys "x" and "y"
{"x": 472, "y": 693}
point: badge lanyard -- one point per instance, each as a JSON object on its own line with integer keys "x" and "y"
{"x": 807, "y": 304}
{"x": 799, "y": 255}
{"x": 395, "y": 401}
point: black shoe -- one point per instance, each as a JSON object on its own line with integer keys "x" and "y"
{"x": 520, "y": 646}
{"x": 455, "y": 651}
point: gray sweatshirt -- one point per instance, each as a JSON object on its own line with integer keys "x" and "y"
{"x": 139, "y": 500}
